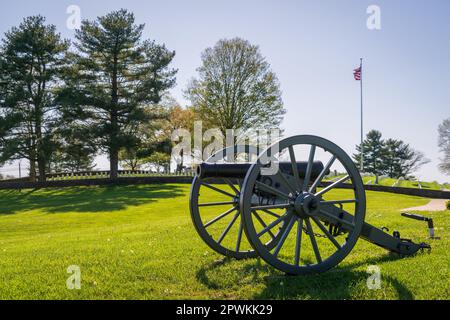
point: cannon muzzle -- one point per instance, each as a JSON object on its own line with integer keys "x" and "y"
{"x": 239, "y": 170}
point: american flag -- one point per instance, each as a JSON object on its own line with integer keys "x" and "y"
{"x": 357, "y": 74}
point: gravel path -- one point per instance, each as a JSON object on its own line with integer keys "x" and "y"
{"x": 433, "y": 205}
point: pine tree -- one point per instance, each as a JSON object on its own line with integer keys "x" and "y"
{"x": 33, "y": 57}
{"x": 115, "y": 76}
{"x": 390, "y": 157}
{"x": 74, "y": 150}
{"x": 374, "y": 154}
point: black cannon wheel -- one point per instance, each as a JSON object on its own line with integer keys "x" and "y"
{"x": 307, "y": 208}
{"x": 217, "y": 216}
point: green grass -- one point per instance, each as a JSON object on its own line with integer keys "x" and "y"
{"x": 138, "y": 242}
{"x": 390, "y": 182}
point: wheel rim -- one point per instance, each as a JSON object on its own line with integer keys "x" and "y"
{"x": 307, "y": 211}
{"x": 218, "y": 220}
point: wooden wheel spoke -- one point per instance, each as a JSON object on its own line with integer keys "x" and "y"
{"x": 232, "y": 186}
{"x": 221, "y": 216}
{"x": 273, "y": 214}
{"x": 338, "y": 201}
{"x": 212, "y": 204}
{"x": 283, "y": 237}
{"x": 271, "y": 206}
{"x": 331, "y": 186}
{"x": 322, "y": 174}
{"x": 218, "y": 190}
{"x": 261, "y": 221}
{"x": 298, "y": 243}
{"x": 227, "y": 229}
{"x": 312, "y": 237}
{"x": 272, "y": 225}
{"x": 326, "y": 232}
{"x": 309, "y": 167}
{"x": 294, "y": 166}
{"x": 239, "y": 239}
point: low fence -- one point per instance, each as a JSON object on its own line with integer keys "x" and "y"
{"x": 103, "y": 174}
{"x": 82, "y": 175}
{"x": 187, "y": 179}
{"x": 96, "y": 182}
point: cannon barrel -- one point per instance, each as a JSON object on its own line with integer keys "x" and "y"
{"x": 239, "y": 170}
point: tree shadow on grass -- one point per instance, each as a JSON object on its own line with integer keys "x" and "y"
{"x": 335, "y": 284}
{"x": 85, "y": 199}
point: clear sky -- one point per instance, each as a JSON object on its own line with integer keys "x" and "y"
{"x": 312, "y": 46}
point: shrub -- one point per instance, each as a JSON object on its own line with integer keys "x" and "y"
{"x": 447, "y": 205}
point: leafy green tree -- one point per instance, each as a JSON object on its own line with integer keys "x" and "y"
{"x": 444, "y": 145}
{"x": 130, "y": 160}
{"x": 33, "y": 56}
{"x": 180, "y": 118}
{"x": 151, "y": 134}
{"x": 160, "y": 160}
{"x": 74, "y": 150}
{"x": 236, "y": 89}
{"x": 115, "y": 76}
{"x": 374, "y": 154}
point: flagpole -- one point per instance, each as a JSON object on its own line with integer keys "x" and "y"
{"x": 362, "y": 123}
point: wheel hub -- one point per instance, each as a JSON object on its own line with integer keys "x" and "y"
{"x": 306, "y": 205}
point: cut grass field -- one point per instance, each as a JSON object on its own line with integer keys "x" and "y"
{"x": 138, "y": 242}
{"x": 390, "y": 182}
{"x": 400, "y": 183}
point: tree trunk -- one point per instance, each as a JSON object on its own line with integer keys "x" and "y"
{"x": 42, "y": 170}
{"x": 41, "y": 156}
{"x": 32, "y": 155}
{"x": 114, "y": 150}
{"x": 134, "y": 164}
{"x": 113, "y": 163}
{"x": 32, "y": 170}
{"x": 42, "y": 163}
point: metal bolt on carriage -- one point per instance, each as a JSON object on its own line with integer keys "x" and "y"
{"x": 299, "y": 219}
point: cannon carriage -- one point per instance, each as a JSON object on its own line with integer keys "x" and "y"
{"x": 283, "y": 208}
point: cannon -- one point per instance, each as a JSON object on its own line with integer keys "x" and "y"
{"x": 297, "y": 218}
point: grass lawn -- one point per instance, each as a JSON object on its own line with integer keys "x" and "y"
{"x": 138, "y": 242}
{"x": 390, "y": 182}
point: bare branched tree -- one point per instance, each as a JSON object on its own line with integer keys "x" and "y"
{"x": 444, "y": 145}
{"x": 236, "y": 89}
